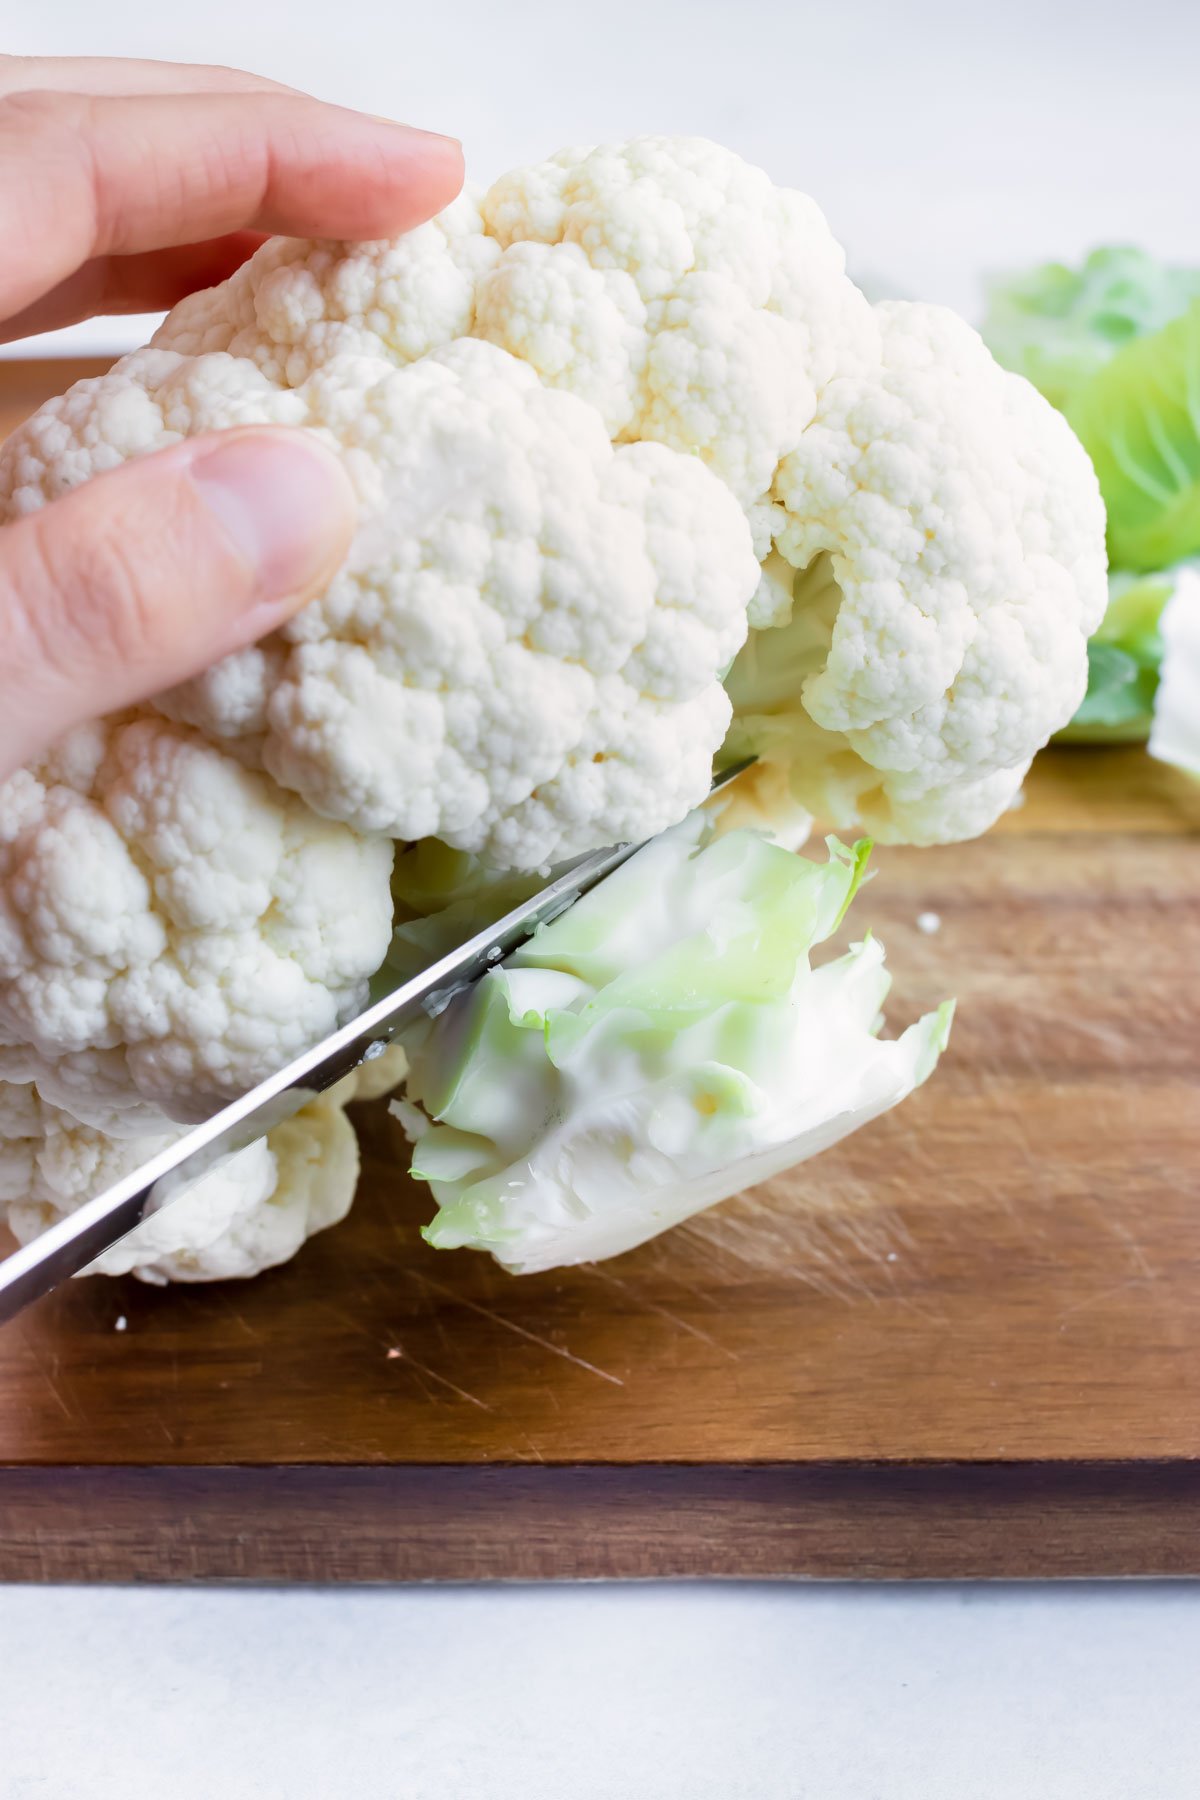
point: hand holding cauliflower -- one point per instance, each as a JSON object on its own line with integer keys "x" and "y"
{"x": 640, "y": 474}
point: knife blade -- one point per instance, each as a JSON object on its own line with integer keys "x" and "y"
{"x": 72, "y": 1243}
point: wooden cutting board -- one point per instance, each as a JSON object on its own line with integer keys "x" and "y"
{"x": 966, "y": 1342}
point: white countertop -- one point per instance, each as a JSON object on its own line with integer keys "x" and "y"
{"x": 602, "y": 1693}
{"x": 938, "y": 135}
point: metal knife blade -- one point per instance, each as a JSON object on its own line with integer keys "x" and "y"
{"x": 71, "y": 1244}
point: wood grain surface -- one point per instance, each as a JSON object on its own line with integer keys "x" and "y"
{"x": 965, "y": 1342}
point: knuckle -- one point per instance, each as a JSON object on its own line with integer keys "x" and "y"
{"x": 44, "y": 135}
{"x": 39, "y": 111}
{"x": 86, "y": 600}
{"x": 115, "y": 609}
{"x": 32, "y": 610}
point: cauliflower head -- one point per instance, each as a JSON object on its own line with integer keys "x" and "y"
{"x": 643, "y": 478}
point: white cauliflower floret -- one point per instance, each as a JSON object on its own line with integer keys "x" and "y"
{"x": 146, "y": 402}
{"x": 951, "y": 532}
{"x": 298, "y": 304}
{"x": 172, "y": 925}
{"x": 92, "y": 1085}
{"x": 680, "y": 292}
{"x": 253, "y": 1210}
{"x": 522, "y": 654}
{"x": 382, "y": 1071}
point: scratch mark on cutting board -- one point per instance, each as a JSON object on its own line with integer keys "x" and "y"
{"x": 702, "y": 1295}
{"x": 42, "y": 1369}
{"x": 419, "y": 1378}
{"x": 662, "y": 1311}
{"x": 402, "y": 1355}
{"x": 1137, "y": 1255}
{"x": 435, "y": 1319}
{"x": 358, "y": 1327}
{"x": 234, "y": 1312}
{"x": 520, "y": 1331}
{"x": 1097, "y": 1299}
{"x": 421, "y": 1310}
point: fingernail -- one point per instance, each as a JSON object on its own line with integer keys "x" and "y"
{"x": 285, "y": 504}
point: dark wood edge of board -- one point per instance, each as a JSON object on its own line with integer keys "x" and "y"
{"x": 321, "y": 1523}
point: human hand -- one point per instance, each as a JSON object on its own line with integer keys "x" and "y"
{"x": 124, "y": 186}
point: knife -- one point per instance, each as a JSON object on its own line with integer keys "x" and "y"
{"x": 71, "y": 1244}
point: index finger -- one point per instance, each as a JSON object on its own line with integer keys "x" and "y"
{"x": 127, "y": 75}
{"x": 86, "y": 175}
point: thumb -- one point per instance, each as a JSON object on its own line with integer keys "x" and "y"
{"x": 149, "y": 573}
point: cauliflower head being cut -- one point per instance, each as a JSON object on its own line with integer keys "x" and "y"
{"x": 644, "y": 480}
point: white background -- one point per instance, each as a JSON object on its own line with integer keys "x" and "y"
{"x": 939, "y": 138}
{"x": 938, "y": 135}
